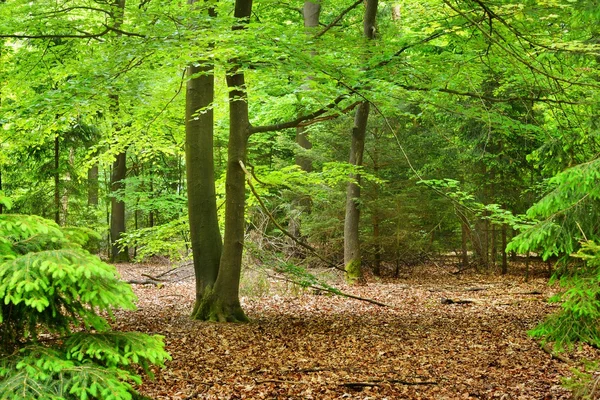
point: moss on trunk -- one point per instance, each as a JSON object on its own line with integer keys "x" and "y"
{"x": 213, "y": 308}
{"x": 353, "y": 271}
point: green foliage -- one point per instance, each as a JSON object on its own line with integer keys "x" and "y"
{"x": 170, "y": 239}
{"x": 585, "y": 384}
{"x": 567, "y": 214}
{"x": 579, "y": 318}
{"x": 50, "y": 286}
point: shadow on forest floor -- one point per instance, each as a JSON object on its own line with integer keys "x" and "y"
{"x": 301, "y": 345}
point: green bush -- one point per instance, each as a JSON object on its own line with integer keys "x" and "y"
{"x": 55, "y": 342}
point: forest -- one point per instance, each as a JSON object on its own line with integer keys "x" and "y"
{"x": 299, "y": 199}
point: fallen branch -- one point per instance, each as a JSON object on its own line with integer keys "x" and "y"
{"x": 554, "y": 354}
{"x": 145, "y": 282}
{"x": 459, "y": 301}
{"x": 379, "y": 382}
{"x": 529, "y": 292}
{"x": 154, "y": 279}
{"x": 474, "y": 289}
{"x": 334, "y": 291}
{"x": 281, "y": 381}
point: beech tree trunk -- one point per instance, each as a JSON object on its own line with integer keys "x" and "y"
{"x": 352, "y": 256}
{"x": 222, "y": 303}
{"x": 205, "y": 235}
{"x": 117, "y": 215}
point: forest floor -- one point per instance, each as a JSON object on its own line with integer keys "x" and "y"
{"x": 303, "y": 344}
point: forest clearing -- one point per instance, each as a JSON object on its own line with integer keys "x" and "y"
{"x": 302, "y": 344}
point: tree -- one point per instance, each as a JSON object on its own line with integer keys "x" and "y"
{"x": 352, "y": 256}
{"x": 119, "y": 169}
{"x": 205, "y": 233}
{"x": 222, "y": 303}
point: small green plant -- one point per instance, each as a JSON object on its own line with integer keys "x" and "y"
{"x": 55, "y": 342}
{"x": 579, "y": 318}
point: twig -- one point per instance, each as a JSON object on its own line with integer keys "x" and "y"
{"x": 146, "y": 282}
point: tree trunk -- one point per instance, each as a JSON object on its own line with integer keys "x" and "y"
{"x": 504, "y": 258}
{"x": 352, "y": 256}
{"x": 464, "y": 250}
{"x": 56, "y": 179}
{"x": 205, "y": 235}
{"x": 222, "y": 303}
{"x": 378, "y": 248}
{"x": 119, "y": 172}
{"x": 117, "y": 215}
{"x": 151, "y": 212}
{"x": 93, "y": 186}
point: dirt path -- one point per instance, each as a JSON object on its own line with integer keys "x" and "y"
{"x": 309, "y": 346}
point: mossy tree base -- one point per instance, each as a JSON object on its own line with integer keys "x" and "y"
{"x": 354, "y": 272}
{"x": 212, "y": 308}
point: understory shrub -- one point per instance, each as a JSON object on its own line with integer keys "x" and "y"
{"x": 55, "y": 340}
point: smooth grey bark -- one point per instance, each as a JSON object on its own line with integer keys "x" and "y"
{"x": 352, "y": 256}
{"x": 117, "y": 215}
{"x": 205, "y": 235}
{"x": 222, "y": 303}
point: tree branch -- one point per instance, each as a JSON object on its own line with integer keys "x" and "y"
{"x": 338, "y": 18}
{"x": 488, "y": 98}
{"x": 296, "y": 122}
{"x": 57, "y": 36}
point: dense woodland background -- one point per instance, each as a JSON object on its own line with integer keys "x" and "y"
{"x": 364, "y": 136}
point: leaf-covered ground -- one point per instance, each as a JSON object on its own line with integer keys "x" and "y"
{"x": 302, "y": 344}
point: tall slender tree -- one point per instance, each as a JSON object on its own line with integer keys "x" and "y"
{"x": 119, "y": 170}
{"x": 352, "y": 256}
